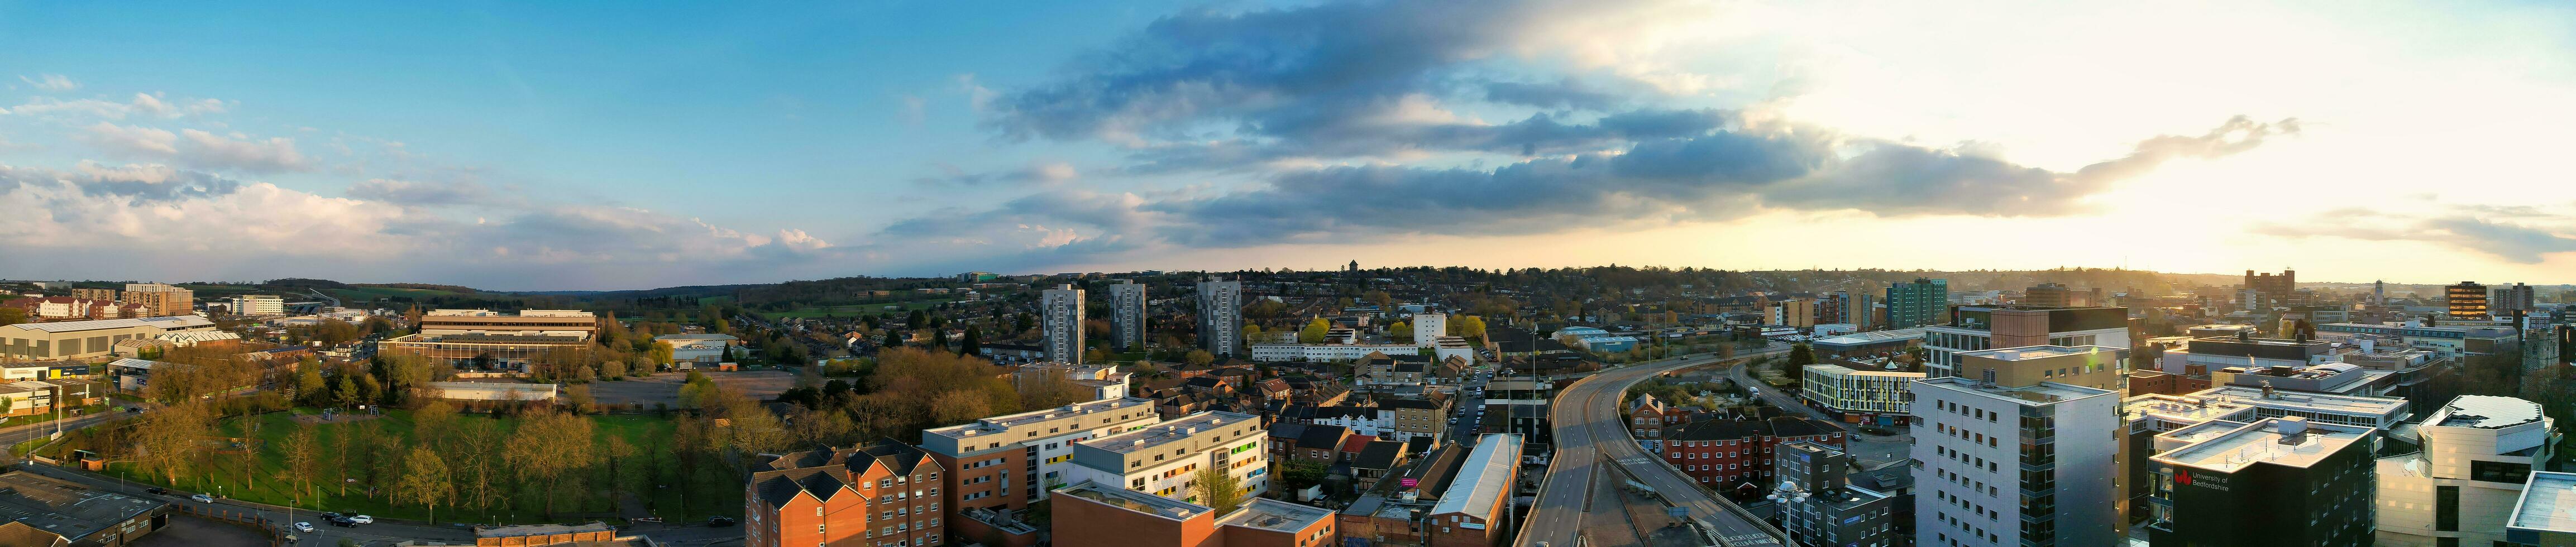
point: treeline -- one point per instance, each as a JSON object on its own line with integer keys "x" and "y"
{"x": 902, "y": 391}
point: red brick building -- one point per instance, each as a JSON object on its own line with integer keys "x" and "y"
{"x": 1729, "y": 455}
{"x": 1091, "y": 514}
{"x": 885, "y": 493}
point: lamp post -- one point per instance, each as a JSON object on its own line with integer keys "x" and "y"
{"x": 1787, "y": 496}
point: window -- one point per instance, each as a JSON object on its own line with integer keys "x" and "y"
{"x": 2499, "y": 471}
{"x": 2446, "y": 508}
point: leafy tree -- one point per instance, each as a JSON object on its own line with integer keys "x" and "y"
{"x": 12, "y": 316}
{"x": 547, "y": 449}
{"x": 1214, "y": 488}
{"x": 894, "y": 338}
{"x": 973, "y": 343}
{"x": 1800, "y": 356}
{"x": 301, "y": 454}
{"x": 1299, "y": 474}
{"x": 424, "y": 481}
{"x": 1199, "y": 357}
{"x": 1401, "y": 331}
{"x": 1314, "y": 331}
{"x": 1468, "y": 326}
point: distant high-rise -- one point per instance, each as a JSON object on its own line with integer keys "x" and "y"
{"x": 1127, "y": 315}
{"x": 2270, "y": 289}
{"x": 2467, "y": 300}
{"x": 1060, "y": 315}
{"x": 2516, "y": 298}
{"x": 2044, "y": 295}
{"x": 1221, "y": 316}
{"x": 1861, "y": 312}
{"x": 161, "y": 300}
{"x": 2012, "y": 455}
{"x": 1428, "y": 328}
{"x": 1916, "y": 304}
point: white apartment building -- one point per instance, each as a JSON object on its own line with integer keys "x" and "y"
{"x": 1164, "y": 459}
{"x": 1221, "y": 316}
{"x": 1866, "y": 391}
{"x": 2006, "y": 465}
{"x": 1127, "y": 315}
{"x": 1977, "y": 328}
{"x": 259, "y": 304}
{"x": 1428, "y": 328}
{"x": 2478, "y": 452}
{"x": 1044, "y": 438}
{"x": 1060, "y": 319}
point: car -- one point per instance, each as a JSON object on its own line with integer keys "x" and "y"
{"x": 328, "y": 515}
{"x": 202, "y": 498}
{"x": 719, "y": 522}
{"x": 362, "y": 519}
{"x": 304, "y": 527}
{"x": 343, "y": 522}
{"x": 156, "y": 491}
{"x": 134, "y": 409}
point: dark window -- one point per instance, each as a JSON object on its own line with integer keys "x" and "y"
{"x": 2446, "y": 510}
{"x": 2499, "y": 471}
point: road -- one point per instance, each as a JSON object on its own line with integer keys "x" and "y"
{"x": 1590, "y": 432}
{"x": 23, "y": 433}
{"x": 273, "y": 516}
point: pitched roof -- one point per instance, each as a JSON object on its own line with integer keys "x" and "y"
{"x": 1322, "y": 436}
{"x": 1357, "y": 443}
{"x": 1379, "y": 455}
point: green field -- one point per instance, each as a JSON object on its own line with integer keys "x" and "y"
{"x": 380, "y": 293}
{"x": 855, "y": 310}
{"x": 224, "y": 474}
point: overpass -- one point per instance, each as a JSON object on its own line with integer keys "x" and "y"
{"x": 1591, "y": 432}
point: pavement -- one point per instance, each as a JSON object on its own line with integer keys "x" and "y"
{"x": 1591, "y": 434}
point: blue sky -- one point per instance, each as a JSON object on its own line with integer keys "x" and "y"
{"x": 547, "y": 146}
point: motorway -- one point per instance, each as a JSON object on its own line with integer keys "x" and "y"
{"x": 1590, "y": 431}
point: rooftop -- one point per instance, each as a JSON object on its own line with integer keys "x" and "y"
{"x": 1176, "y": 431}
{"x": 2288, "y": 441}
{"x": 1839, "y": 370}
{"x": 1872, "y": 336}
{"x": 1486, "y": 474}
{"x": 2548, "y": 503}
{"x": 2348, "y": 404}
{"x": 1275, "y": 515}
{"x": 1135, "y": 501}
{"x": 2034, "y": 395}
{"x": 66, "y": 508}
{"x": 522, "y": 313}
{"x": 171, "y": 322}
{"x": 1007, "y": 421}
{"x": 2486, "y": 412}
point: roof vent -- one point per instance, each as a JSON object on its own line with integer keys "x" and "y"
{"x": 2289, "y": 426}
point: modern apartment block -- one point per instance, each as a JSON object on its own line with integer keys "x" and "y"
{"x": 1221, "y": 317}
{"x": 1096, "y": 514}
{"x": 1973, "y": 328}
{"x": 1921, "y": 302}
{"x": 95, "y": 294}
{"x": 161, "y": 300}
{"x": 883, "y": 493}
{"x": 1821, "y": 507}
{"x": 2000, "y": 464}
{"x": 2231, "y": 483}
{"x": 2467, "y": 301}
{"x": 1001, "y": 464}
{"x": 1794, "y": 312}
{"x": 2478, "y": 451}
{"x": 1860, "y": 395}
{"x": 2045, "y": 295}
{"x": 1429, "y": 327}
{"x": 1127, "y": 315}
{"x": 1060, "y": 314}
{"x": 1476, "y": 510}
{"x": 1164, "y": 459}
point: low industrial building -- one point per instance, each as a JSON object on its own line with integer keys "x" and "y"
{"x": 702, "y": 349}
{"x": 1476, "y": 510}
{"x": 88, "y": 339}
{"x": 493, "y": 391}
{"x": 56, "y": 510}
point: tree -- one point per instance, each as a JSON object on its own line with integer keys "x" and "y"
{"x": 661, "y": 354}
{"x": 1314, "y": 331}
{"x": 1216, "y": 489}
{"x": 1299, "y": 474}
{"x": 1199, "y": 357}
{"x": 309, "y": 385}
{"x": 894, "y": 338}
{"x": 547, "y": 448}
{"x": 302, "y": 457}
{"x": 1800, "y": 356}
{"x": 1468, "y": 326}
{"x": 12, "y": 316}
{"x": 1401, "y": 331}
{"x": 972, "y": 343}
{"x": 424, "y": 481}
{"x": 168, "y": 436}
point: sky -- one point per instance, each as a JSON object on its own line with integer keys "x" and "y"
{"x": 545, "y": 146}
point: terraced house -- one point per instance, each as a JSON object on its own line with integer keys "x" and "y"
{"x": 881, "y": 494}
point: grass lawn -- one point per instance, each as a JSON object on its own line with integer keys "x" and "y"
{"x": 263, "y": 482}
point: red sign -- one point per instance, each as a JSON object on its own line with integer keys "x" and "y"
{"x": 1409, "y": 483}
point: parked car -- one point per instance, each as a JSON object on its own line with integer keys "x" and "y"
{"x": 343, "y": 522}
{"x": 328, "y": 515}
{"x": 719, "y": 522}
{"x": 303, "y": 527}
{"x": 156, "y": 491}
{"x": 362, "y": 519}
{"x": 202, "y": 498}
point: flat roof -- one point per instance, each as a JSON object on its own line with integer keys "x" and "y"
{"x": 2548, "y": 503}
{"x": 2037, "y": 352}
{"x": 2032, "y": 395}
{"x": 2327, "y": 402}
{"x": 2179, "y": 407}
{"x": 1183, "y": 429}
{"x": 171, "y": 322}
{"x": 1840, "y": 370}
{"x": 1007, "y": 421}
{"x": 539, "y": 529}
{"x": 1486, "y": 474}
{"x": 1872, "y": 337}
{"x": 1275, "y": 515}
{"x": 2276, "y": 441}
{"x": 1135, "y": 501}
{"x": 66, "y": 508}
{"x": 2486, "y": 412}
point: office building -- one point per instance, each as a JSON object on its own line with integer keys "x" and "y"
{"x": 2044, "y": 295}
{"x": 1221, "y": 317}
{"x": 2509, "y": 299}
{"x": 1476, "y": 510}
{"x": 493, "y": 341}
{"x": 258, "y": 304}
{"x": 2267, "y": 290}
{"x": 160, "y": 300}
{"x": 567, "y": 323}
{"x": 1860, "y": 396}
{"x": 2276, "y": 481}
{"x": 1820, "y": 506}
{"x": 2467, "y": 301}
{"x": 1060, "y": 315}
{"x": 882, "y": 493}
{"x": 2478, "y": 452}
{"x": 1429, "y": 327}
{"x": 1164, "y": 459}
{"x": 1096, "y": 514}
{"x": 999, "y": 465}
{"x": 2005, "y": 464}
{"x": 89, "y": 339}
{"x": 1973, "y": 328}
{"x": 1127, "y": 315}
{"x": 2444, "y": 341}
{"x": 1921, "y": 302}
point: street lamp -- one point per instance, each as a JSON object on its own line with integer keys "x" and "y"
{"x": 1788, "y": 496}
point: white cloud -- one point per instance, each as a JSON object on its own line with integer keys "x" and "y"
{"x": 54, "y": 83}
{"x": 270, "y": 155}
{"x": 134, "y": 139}
{"x": 147, "y": 105}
